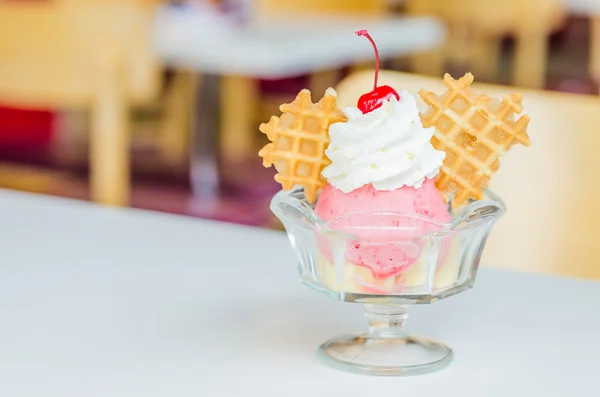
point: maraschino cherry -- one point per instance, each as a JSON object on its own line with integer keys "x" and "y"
{"x": 373, "y": 100}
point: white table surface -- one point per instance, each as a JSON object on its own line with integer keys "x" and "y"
{"x": 111, "y": 303}
{"x": 284, "y": 45}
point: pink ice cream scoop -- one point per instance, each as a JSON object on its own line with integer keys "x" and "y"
{"x": 380, "y": 188}
{"x": 426, "y": 201}
{"x": 409, "y": 213}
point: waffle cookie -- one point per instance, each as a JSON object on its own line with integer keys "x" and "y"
{"x": 474, "y": 131}
{"x": 299, "y": 138}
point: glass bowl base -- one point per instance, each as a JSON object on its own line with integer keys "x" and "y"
{"x": 384, "y": 355}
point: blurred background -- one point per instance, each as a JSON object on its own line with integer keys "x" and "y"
{"x": 156, "y": 104}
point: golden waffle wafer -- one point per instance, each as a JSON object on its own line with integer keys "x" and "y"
{"x": 474, "y": 131}
{"x": 299, "y": 139}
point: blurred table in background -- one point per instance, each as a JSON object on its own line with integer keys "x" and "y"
{"x": 279, "y": 46}
{"x": 270, "y": 46}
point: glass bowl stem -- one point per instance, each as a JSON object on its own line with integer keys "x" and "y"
{"x": 385, "y": 349}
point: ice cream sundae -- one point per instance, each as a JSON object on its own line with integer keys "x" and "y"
{"x": 389, "y": 178}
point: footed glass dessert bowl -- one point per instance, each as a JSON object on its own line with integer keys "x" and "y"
{"x": 386, "y": 261}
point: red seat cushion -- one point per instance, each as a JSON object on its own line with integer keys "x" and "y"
{"x": 21, "y": 128}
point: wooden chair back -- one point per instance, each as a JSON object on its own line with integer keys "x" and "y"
{"x": 52, "y": 53}
{"x": 324, "y": 7}
{"x": 476, "y": 29}
{"x": 92, "y": 54}
{"x": 494, "y": 17}
{"x": 550, "y": 188}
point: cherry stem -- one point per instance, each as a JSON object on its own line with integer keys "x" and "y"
{"x": 368, "y": 36}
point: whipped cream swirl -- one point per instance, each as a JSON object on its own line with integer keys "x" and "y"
{"x": 388, "y": 148}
